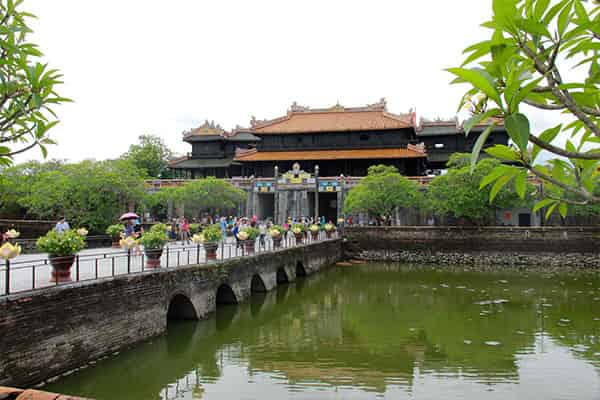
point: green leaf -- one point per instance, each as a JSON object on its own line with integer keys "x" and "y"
{"x": 479, "y": 80}
{"x": 540, "y": 8}
{"x": 563, "y": 209}
{"x": 523, "y": 93}
{"x": 534, "y": 27}
{"x": 517, "y": 126}
{"x": 542, "y": 203}
{"x": 550, "y": 209}
{"x": 581, "y": 12}
{"x": 491, "y": 177}
{"x": 503, "y": 152}
{"x": 521, "y": 184}
{"x": 479, "y": 144}
{"x": 564, "y": 18}
{"x": 500, "y": 183}
{"x": 553, "y": 11}
{"x": 476, "y": 119}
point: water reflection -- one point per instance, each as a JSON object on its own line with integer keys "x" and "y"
{"x": 379, "y": 330}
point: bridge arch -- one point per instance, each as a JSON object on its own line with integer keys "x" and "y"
{"x": 282, "y": 276}
{"x": 257, "y": 284}
{"x": 225, "y": 295}
{"x": 181, "y": 308}
{"x": 300, "y": 270}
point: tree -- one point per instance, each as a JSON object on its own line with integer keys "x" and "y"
{"x": 16, "y": 182}
{"x": 27, "y": 87}
{"x": 90, "y": 194}
{"x": 150, "y": 155}
{"x": 381, "y": 192}
{"x": 523, "y": 63}
{"x": 199, "y": 195}
{"x": 457, "y": 193}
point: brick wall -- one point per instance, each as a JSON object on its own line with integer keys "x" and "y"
{"x": 543, "y": 246}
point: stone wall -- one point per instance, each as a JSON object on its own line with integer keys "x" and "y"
{"x": 53, "y": 331}
{"x": 552, "y": 247}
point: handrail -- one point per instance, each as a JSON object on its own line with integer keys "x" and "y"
{"x": 42, "y": 271}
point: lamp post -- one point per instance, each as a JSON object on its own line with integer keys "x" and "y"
{"x": 316, "y": 192}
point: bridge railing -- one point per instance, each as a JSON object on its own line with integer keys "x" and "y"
{"x": 35, "y": 271}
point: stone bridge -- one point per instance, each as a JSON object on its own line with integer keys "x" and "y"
{"x": 53, "y": 331}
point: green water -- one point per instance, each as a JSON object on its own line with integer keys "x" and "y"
{"x": 375, "y": 331}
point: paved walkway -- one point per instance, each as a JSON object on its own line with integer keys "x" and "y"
{"x": 33, "y": 271}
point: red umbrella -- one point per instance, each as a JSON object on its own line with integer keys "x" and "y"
{"x": 129, "y": 215}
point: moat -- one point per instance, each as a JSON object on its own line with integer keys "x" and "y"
{"x": 375, "y": 331}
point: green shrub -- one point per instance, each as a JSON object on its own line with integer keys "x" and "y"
{"x": 154, "y": 239}
{"x": 114, "y": 231}
{"x": 251, "y": 232}
{"x": 194, "y": 228}
{"x": 159, "y": 228}
{"x": 212, "y": 233}
{"x": 298, "y": 228}
{"x": 57, "y": 244}
{"x": 314, "y": 228}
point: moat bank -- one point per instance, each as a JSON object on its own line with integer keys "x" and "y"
{"x": 546, "y": 247}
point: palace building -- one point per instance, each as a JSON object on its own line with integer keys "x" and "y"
{"x": 285, "y": 163}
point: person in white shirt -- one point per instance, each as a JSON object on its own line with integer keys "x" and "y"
{"x": 62, "y": 225}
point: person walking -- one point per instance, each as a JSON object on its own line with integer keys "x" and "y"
{"x": 185, "y": 231}
{"x": 262, "y": 228}
{"x": 62, "y": 225}
{"x": 129, "y": 228}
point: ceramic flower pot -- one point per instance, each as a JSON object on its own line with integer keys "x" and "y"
{"x": 277, "y": 242}
{"x": 314, "y": 235}
{"x": 211, "y": 251}
{"x": 299, "y": 237}
{"x": 61, "y": 268}
{"x": 249, "y": 247}
{"x": 153, "y": 257}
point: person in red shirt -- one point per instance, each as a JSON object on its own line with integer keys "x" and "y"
{"x": 185, "y": 231}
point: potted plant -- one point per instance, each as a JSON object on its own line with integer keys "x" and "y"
{"x": 211, "y": 236}
{"x": 82, "y": 232}
{"x": 276, "y": 233}
{"x": 154, "y": 241}
{"x": 115, "y": 231}
{"x": 194, "y": 228}
{"x": 314, "y": 231}
{"x": 298, "y": 231}
{"x": 248, "y": 237}
{"x": 329, "y": 229}
{"x": 11, "y": 235}
{"x": 61, "y": 248}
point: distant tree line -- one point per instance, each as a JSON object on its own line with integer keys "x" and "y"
{"x": 458, "y": 193}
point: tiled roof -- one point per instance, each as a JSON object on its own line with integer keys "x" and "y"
{"x": 362, "y": 154}
{"x": 206, "y": 129}
{"x": 191, "y": 163}
{"x": 334, "y": 119}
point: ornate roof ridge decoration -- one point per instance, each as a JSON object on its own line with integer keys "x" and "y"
{"x": 206, "y": 129}
{"x": 299, "y": 110}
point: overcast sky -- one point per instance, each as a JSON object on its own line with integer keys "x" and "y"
{"x": 135, "y": 67}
